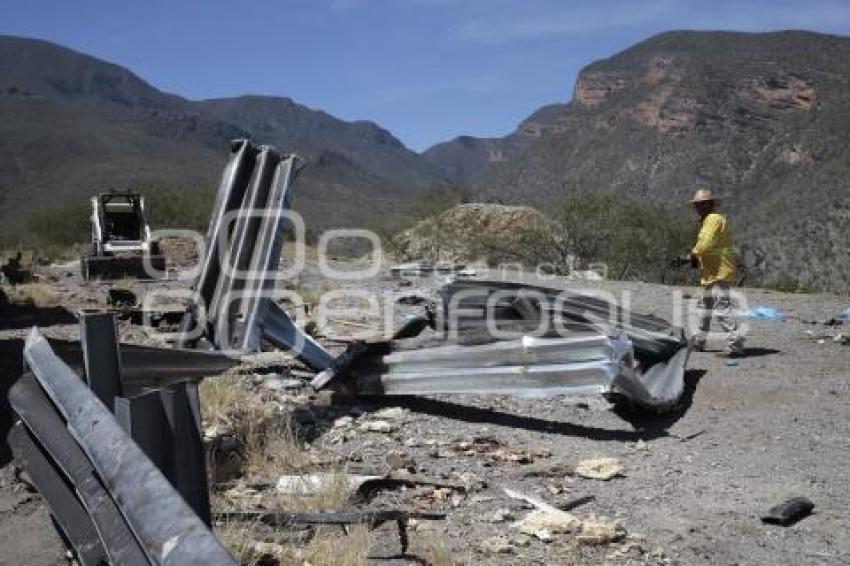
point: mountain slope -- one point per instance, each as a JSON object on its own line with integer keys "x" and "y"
{"x": 762, "y": 118}
{"x": 464, "y": 157}
{"x": 73, "y": 125}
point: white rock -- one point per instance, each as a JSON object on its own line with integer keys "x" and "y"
{"x": 501, "y": 515}
{"x": 344, "y": 421}
{"x": 378, "y": 426}
{"x": 551, "y": 521}
{"x": 599, "y": 468}
{"x": 600, "y": 531}
{"x": 389, "y": 414}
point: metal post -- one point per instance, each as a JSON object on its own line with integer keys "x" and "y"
{"x": 186, "y": 468}
{"x": 143, "y": 418}
{"x": 101, "y": 357}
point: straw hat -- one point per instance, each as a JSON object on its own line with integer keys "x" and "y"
{"x": 703, "y": 195}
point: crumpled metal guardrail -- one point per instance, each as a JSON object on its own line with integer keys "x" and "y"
{"x": 660, "y": 350}
{"x": 231, "y": 295}
{"x": 116, "y": 505}
{"x": 638, "y": 356}
{"x": 505, "y": 338}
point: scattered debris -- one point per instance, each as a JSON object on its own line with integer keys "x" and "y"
{"x": 401, "y": 461}
{"x": 789, "y": 512}
{"x": 537, "y": 503}
{"x": 362, "y": 484}
{"x": 555, "y": 521}
{"x": 501, "y": 515}
{"x": 422, "y": 268}
{"x": 599, "y": 468}
{"x": 277, "y": 383}
{"x": 412, "y": 300}
{"x": 493, "y": 451}
{"x": 344, "y": 421}
{"x": 593, "y": 530}
{"x": 598, "y": 530}
{"x": 311, "y": 484}
{"x": 577, "y": 502}
{"x": 389, "y": 414}
{"x": 547, "y": 470}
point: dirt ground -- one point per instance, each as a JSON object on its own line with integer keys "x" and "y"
{"x": 748, "y": 435}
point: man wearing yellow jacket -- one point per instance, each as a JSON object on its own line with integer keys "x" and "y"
{"x": 715, "y": 255}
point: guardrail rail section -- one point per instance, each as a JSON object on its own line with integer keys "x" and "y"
{"x": 121, "y": 466}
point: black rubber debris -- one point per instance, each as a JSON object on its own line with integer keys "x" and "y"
{"x": 789, "y": 512}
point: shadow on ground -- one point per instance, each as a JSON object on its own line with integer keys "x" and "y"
{"x": 16, "y": 317}
{"x": 648, "y": 425}
{"x": 655, "y": 424}
{"x": 758, "y": 352}
{"x": 12, "y": 364}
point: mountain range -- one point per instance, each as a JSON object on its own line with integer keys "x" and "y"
{"x": 762, "y": 119}
{"x": 73, "y": 125}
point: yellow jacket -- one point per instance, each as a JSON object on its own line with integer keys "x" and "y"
{"x": 715, "y": 250}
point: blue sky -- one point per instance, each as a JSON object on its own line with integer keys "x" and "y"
{"x": 428, "y": 70}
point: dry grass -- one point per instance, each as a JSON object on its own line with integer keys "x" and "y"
{"x": 436, "y": 552}
{"x": 271, "y": 450}
{"x": 271, "y": 446}
{"x": 34, "y": 294}
{"x": 289, "y": 250}
{"x": 329, "y": 546}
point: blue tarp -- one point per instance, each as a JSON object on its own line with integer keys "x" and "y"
{"x": 762, "y": 312}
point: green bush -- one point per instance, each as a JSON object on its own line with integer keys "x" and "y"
{"x": 635, "y": 238}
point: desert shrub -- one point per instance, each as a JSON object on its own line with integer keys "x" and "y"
{"x": 635, "y": 238}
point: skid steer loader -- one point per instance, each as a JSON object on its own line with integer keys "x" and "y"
{"x": 121, "y": 239}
